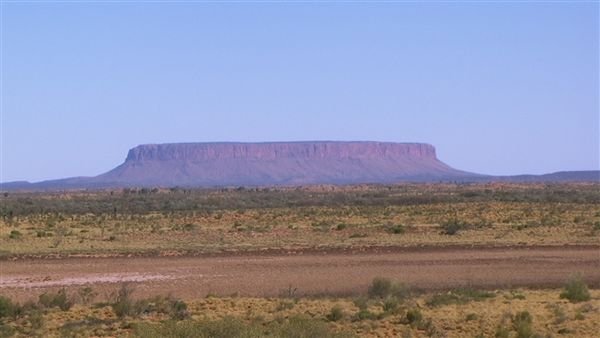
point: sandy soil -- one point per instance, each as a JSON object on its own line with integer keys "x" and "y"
{"x": 305, "y": 273}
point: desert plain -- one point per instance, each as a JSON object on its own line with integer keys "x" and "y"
{"x": 408, "y": 260}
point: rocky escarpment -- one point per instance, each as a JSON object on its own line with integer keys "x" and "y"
{"x": 198, "y": 152}
{"x": 219, "y": 164}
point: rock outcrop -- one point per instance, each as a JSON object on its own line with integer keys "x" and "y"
{"x": 276, "y": 163}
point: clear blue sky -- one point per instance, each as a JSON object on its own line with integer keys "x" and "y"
{"x": 498, "y": 88}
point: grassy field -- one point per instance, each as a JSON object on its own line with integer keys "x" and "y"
{"x": 387, "y": 310}
{"x": 176, "y": 221}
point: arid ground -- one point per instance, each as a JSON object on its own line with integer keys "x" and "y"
{"x": 342, "y": 272}
{"x": 456, "y": 260}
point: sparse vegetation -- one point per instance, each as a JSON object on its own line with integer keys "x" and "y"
{"x": 15, "y": 234}
{"x": 471, "y": 316}
{"x": 576, "y": 290}
{"x": 123, "y": 305}
{"x": 452, "y": 227}
{"x": 384, "y": 287}
{"x": 596, "y": 226}
{"x": 396, "y": 229}
{"x": 7, "y": 308}
{"x": 559, "y": 314}
{"x": 298, "y": 326}
{"x": 59, "y": 299}
{"x": 164, "y": 316}
{"x": 380, "y": 287}
{"x": 336, "y": 314}
{"x": 199, "y": 220}
{"x": 391, "y": 305}
{"x": 87, "y": 295}
{"x": 522, "y": 324}
{"x": 502, "y": 332}
{"x": 178, "y": 221}
{"x": 459, "y": 296}
{"x": 285, "y": 305}
{"x": 414, "y": 317}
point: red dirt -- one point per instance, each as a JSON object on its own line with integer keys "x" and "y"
{"x": 311, "y": 273}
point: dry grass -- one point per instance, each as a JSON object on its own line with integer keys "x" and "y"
{"x": 482, "y": 223}
{"x": 178, "y": 221}
{"x": 550, "y": 315}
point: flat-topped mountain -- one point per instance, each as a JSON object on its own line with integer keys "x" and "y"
{"x": 283, "y": 163}
{"x": 217, "y": 164}
{"x": 277, "y": 150}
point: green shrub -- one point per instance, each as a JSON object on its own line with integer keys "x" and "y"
{"x": 522, "y": 324}
{"x": 42, "y": 233}
{"x": 59, "y": 299}
{"x": 452, "y": 227}
{"x": 179, "y": 310}
{"x": 364, "y": 314}
{"x": 576, "y": 290}
{"x": 380, "y": 287}
{"x": 8, "y": 308}
{"x": 36, "y": 319}
{"x": 391, "y": 305}
{"x": 414, "y": 317}
{"x": 401, "y": 291}
{"x": 383, "y": 287}
{"x": 123, "y": 305}
{"x": 336, "y": 313}
{"x": 175, "y": 308}
{"x": 87, "y": 295}
{"x": 522, "y": 317}
{"x": 516, "y": 294}
{"x": 396, "y": 229}
{"x": 15, "y": 234}
{"x": 361, "y": 303}
{"x": 502, "y": 332}
{"x": 471, "y": 316}
{"x": 341, "y": 226}
{"x": 189, "y": 227}
{"x": 459, "y": 296}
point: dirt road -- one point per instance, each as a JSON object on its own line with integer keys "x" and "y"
{"x": 336, "y": 273}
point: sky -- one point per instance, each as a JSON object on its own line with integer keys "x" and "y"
{"x": 497, "y": 87}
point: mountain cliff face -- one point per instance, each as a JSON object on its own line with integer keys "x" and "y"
{"x": 198, "y": 152}
{"x": 217, "y": 164}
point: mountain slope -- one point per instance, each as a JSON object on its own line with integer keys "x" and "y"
{"x": 217, "y": 164}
